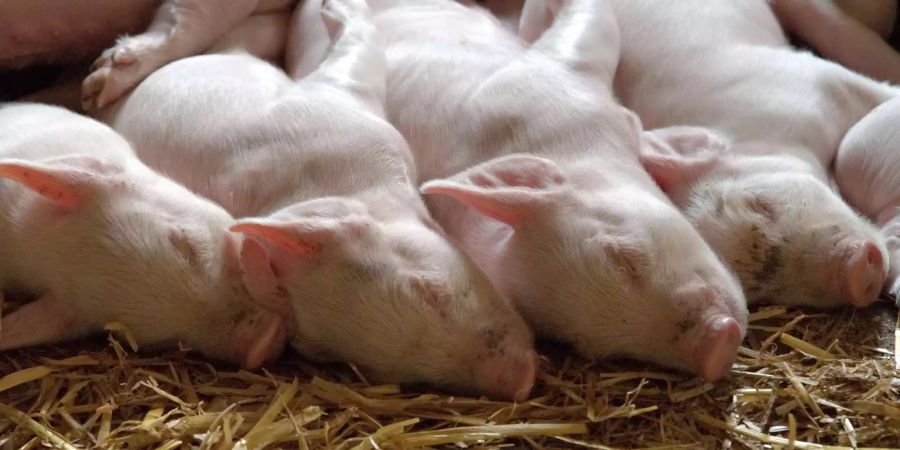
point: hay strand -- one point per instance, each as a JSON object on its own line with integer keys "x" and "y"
{"x": 828, "y": 383}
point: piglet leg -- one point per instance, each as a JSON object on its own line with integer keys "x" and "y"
{"x": 180, "y": 28}
{"x": 356, "y": 61}
{"x": 43, "y": 321}
{"x": 584, "y": 35}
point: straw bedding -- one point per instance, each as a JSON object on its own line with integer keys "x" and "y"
{"x": 802, "y": 380}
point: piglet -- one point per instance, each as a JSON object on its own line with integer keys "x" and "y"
{"x": 529, "y": 162}
{"x": 199, "y": 25}
{"x": 62, "y": 32}
{"x": 867, "y": 169}
{"x": 98, "y": 237}
{"x": 336, "y": 234}
{"x": 751, "y": 127}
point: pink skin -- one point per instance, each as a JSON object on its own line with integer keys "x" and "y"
{"x": 865, "y": 274}
{"x": 531, "y": 165}
{"x": 514, "y": 381}
{"x": 866, "y": 171}
{"x": 832, "y": 258}
{"x": 719, "y": 349}
{"x": 843, "y": 262}
{"x": 764, "y": 200}
{"x": 146, "y": 251}
{"x": 337, "y": 237}
{"x": 180, "y": 28}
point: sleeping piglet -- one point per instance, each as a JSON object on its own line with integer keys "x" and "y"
{"x": 867, "y": 169}
{"x": 99, "y": 237}
{"x": 336, "y": 234}
{"x": 752, "y": 127}
{"x": 530, "y": 163}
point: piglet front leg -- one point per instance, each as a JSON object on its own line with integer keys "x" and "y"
{"x": 180, "y": 28}
{"x": 356, "y": 61}
{"x": 582, "y": 34}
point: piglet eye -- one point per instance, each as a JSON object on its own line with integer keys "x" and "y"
{"x": 430, "y": 292}
{"x": 182, "y": 243}
{"x": 627, "y": 257}
{"x": 762, "y": 206}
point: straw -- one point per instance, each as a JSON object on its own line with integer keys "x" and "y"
{"x": 802, "y": 380}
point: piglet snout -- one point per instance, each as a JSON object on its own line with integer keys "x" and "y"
{"x": 509, "y": 378}
{"x": 865, "y": 274}
{"x": 719, "y": 349}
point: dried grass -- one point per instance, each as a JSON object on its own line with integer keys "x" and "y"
{"x": 818, "y": 381}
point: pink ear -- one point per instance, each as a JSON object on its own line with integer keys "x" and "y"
{"x": 65, "y": 186}
{"x": 260, "y": 279}
{"x": 304, "y": 227}
{"x": 294, "y": 237}
{"x": 261, "y": 337}
{"x": 673, "y": 173}
{"x": 676, "y": 157}
{"x": 508, "y": 189}
{"x": 268, "y": 343}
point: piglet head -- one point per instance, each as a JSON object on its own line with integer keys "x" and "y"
{"x": 613, "y": 270}
{"x": 788, "y": 236}
{"x": 392, "y": 296}
{"x": 150, "y": 254}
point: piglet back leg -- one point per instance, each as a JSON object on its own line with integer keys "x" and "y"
{"x": 582, "y": 34}
{"x": 181, "y": 28}
{"x": 867, "y": 171}
{"x": 43, "y": 321}
{"x": 356, "y": 61}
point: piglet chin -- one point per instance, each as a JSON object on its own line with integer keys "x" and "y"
{"x": 509, "y": 378}
{"x": 719, "y": 350}
{"x": 865, "y": 272}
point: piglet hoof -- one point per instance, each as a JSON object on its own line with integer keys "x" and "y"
{"x": 118, "y": 70}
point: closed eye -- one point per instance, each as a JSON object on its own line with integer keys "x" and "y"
{"x": 183, "y": 245}
{"x": 763, "y": 207}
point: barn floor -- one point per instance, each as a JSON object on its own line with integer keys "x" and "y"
{"x": 826, "y": 379}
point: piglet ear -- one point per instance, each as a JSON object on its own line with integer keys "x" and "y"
{"x": 260, "y": 278}
{"x": 305, "y": 239}
{"x": 304, "y": 228}
{"x": 508, "y": 189}
{"x": 261, "y": 337}
{"x": 676, "y": 157}
{"x": 65, "y": 181}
